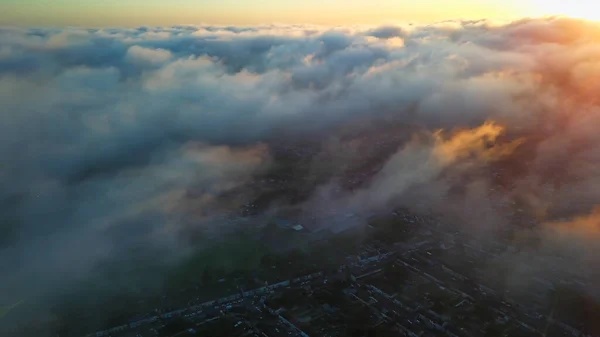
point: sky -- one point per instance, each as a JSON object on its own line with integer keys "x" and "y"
{"x": 328, "y": 12}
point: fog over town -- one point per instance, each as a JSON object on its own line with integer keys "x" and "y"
{"x": 129, "y": 152}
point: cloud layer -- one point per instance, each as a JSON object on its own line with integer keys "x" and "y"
{"x": 104, "y": 132}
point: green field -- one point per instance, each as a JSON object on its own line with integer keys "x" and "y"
{"x": 239, "y": 254}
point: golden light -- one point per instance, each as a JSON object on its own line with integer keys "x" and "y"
{"x": 580, "y": 9}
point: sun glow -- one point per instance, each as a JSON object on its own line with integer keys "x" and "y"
{"x": 580, "y": 9}
{"x": 250, "y": 12}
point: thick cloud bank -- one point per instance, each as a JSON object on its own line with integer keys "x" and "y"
{"x": 104, "y": 132}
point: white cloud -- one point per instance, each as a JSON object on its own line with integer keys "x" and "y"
{"x": 148, "y": 56}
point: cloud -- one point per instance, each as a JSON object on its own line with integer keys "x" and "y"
{"x": 386, "y": 32}
{"x": 147, "y": 55}
{"x": 116, "y": 139}
{"x": 431, "y": 164}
